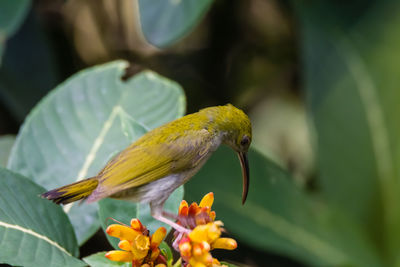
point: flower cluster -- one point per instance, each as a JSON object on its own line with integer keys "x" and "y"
{"x": 194, "y": 245}
{"x": 136, "y": 244}
{"x": 195, "y": 248}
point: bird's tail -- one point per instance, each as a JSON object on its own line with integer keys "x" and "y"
{"x": 72, "y": 192}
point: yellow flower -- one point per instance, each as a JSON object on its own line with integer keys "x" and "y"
{"x": 195, "y": 248}
{"x": 136, "y": 244}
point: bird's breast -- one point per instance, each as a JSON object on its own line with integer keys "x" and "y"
{"x": 156, "y": 191}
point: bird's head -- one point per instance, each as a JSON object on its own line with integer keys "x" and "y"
{"x": 235, "y": 127}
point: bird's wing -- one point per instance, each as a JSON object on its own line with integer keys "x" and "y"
{"x": 144, "y": 163}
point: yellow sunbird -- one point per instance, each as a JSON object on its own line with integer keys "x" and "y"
{"x": 163, "y": 159}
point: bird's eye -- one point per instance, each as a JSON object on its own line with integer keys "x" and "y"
{"x": 245, "y": 140}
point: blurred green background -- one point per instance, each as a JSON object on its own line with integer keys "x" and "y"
{"x": 319, "y": 80}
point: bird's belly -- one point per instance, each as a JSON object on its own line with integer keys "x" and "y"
{"x": 157, "y": 191}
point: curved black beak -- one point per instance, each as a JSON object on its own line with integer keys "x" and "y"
{"x": 245, "y": 173}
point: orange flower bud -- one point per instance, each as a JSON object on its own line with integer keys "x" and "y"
{"x": 118, "y": 255}
{"x": 125, "y": 245}
{"x": 158, "y": 237}
{"x": 193, "y": 208}
{"x": 185, "y": 248}
{"x": 121, "y": 232}
{"x": 198, "y": 250}
{"x": 205, "y": 246}
{"x": 183, "y": 208}
{"x": 207, "y": 200}
{"x": 224, "y": 243}
{"x": 154, "y": 254}
{"x": 212, "y": 215}
{"x": 137, "y": 225}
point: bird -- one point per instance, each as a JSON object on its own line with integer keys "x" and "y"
{"x": 163, "y": 159}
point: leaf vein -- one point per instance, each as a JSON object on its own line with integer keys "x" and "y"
{"x": 95, "y": 147}
{"x": 33, "y": 233}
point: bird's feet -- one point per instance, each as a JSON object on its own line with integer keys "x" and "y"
{"x": 169, "y": 215}
{"x": 174, "y": 225}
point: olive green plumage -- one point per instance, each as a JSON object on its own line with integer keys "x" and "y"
{"x": 164, "y": 158}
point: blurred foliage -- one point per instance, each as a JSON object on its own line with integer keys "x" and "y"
{"x": 350, "y": 76}
{"x": 174, "y": 19}
{"x": 278, "y": 216}
{"x": 26, "y": 76}
{"x": 6, "y": 143}
{"x": 280, "y": 131}
{"x": 334, "y": 198}
{"x": 12, "y": 14}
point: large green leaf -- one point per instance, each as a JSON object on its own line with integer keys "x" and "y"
{"x": 165, "y": 22}
{"x": 124, "y": 211}
{"x": 6, "y": 143}
{"x": 33, "y": 231}
{"x": 99, "y": 260}
{"x": 351, "y": 73}
{"x": 85, "y": 121}
{"x": 277, "y": 215}
{"x": 12, "y": 14}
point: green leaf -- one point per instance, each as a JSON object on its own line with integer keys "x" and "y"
{"x": 99, "y": 260}
{"x": 350, "y": 69}
{"x": 6, "y": 143}
{"x": 165, "y": 22}
{"x": 33, "y": 231}
{"x": 79, "y": 126}
{"x": 124, "y": 211}
{"x": 12, "y": 14}
{"x": 277, "y": 216}
{"x": 167, "y": 252}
